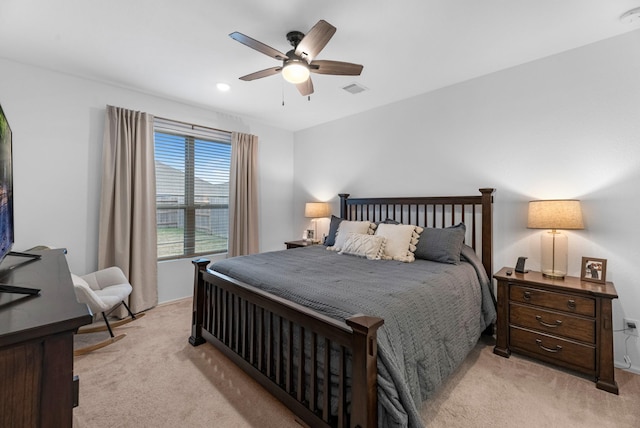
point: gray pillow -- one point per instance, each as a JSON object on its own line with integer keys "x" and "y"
{"x": 330, "y": 240}
{"x": 441, "y": 245}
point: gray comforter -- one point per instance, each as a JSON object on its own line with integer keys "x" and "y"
{"x": 434, "y": 312}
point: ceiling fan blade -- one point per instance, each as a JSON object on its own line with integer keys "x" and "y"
{"x": 315, "y": 40}
{"x": 335, "y": 67}
{"x": 262, "y": 73}
{"x": 259, "y": 46}
{"x": 306, "y": 87}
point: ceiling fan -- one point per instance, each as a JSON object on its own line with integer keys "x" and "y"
{"x": 299, "y": 62}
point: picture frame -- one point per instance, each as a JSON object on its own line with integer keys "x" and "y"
{"x": 594, "y": 270}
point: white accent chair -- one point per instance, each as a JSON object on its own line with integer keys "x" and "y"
{"x": 103, "y": 292}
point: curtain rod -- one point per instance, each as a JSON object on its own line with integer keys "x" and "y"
{"x": 185, "y": 123}
{"x": 191, "y": 124}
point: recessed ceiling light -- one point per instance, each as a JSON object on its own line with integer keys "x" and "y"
{"x": 631, "y": 16}
{"x": 223, "y": 87}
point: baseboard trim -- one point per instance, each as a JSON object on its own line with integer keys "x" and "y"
{"x": 633, "y": 369}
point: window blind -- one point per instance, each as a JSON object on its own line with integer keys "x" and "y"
{"x": 192, "y": 188}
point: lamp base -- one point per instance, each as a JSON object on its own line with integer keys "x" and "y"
{"x": 553, "y": 275}
{"x": 553, "y": 262}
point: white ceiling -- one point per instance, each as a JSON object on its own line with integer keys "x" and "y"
{"x": 181, "y": 49}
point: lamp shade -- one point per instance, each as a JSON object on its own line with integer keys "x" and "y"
{"x": 317, "y": 209}
{"x": 555, "y": 214}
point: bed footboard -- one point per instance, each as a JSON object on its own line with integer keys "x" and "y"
{"x": 291, "y": 350}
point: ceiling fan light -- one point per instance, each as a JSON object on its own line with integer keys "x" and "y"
{"x": 295, "y": 72}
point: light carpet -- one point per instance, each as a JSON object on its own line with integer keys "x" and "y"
{"x": 155, "y": 378}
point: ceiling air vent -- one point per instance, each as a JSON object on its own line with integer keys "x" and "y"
{"x": 354, "y": 88}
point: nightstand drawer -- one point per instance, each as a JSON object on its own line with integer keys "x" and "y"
{"x": 548, "y": 299}
{"x": 554, "y": 349}
{"x": 556, "y": 323}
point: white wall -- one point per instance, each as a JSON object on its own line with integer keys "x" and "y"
{"x": 567, "y": 126}
{"x": 57, "y": 122}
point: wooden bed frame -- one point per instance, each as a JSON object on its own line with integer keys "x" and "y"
{"x": 256, "y": 329}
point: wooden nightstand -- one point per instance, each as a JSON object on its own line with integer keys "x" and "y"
{"x": 566, "y": 322}
{"x": 300, "y": 243}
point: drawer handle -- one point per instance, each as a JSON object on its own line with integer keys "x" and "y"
{"x": 541, "y": 346}
{"x": 571, "y": 304}
{"x": 527, "y": 295}
{"x": 557, "y": 324}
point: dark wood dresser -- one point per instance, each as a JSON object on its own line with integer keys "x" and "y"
{"x": 37, "y": 386}
{"x": 567, "y": 322}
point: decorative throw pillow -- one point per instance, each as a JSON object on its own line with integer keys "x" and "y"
{"x": 364, "y": 245}
{"x": 346, "y": 227}
{"x": 401, "y": 241}
{"x": 333, "y": 229}
{"x": 441, "y": 244}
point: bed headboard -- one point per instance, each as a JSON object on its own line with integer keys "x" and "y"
{"x": 476, "y": 212}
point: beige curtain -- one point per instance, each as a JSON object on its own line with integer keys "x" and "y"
{"x": 243, "y": 195}
{"x": 127, "y": 236}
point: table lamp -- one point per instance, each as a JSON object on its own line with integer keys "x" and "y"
{"x": 554, "y": 214}
{"x": 315, "y": 210}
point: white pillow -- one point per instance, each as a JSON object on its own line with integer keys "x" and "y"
{"x": 364, "y": 245}
{"x": 346, "y": 227}
{"x": 401, "y": 240}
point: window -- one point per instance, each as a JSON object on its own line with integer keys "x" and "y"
{"x": 192, "y": 189}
